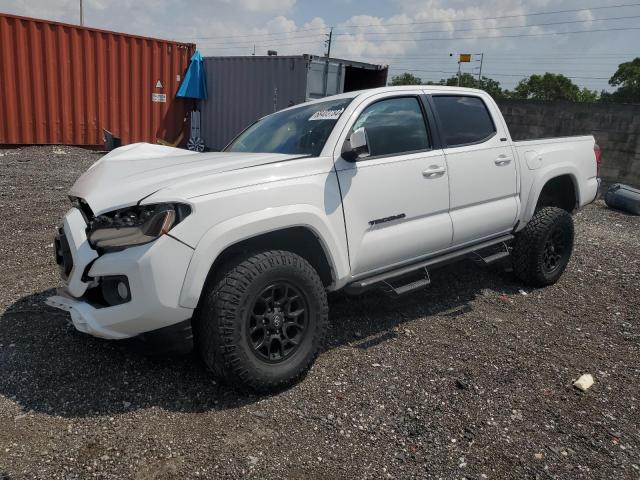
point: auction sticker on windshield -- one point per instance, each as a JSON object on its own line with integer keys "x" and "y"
{"x": 327, "y": 114}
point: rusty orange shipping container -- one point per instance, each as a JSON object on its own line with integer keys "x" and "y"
{"x": 63, "y": 84}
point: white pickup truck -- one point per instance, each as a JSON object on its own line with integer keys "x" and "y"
{"x": 357, "y": 191}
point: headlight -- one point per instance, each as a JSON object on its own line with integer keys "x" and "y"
{"x": 135, "y": 225}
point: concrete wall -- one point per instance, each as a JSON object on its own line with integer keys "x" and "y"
{"x": 615, "y": 127}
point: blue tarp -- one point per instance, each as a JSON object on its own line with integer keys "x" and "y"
{"x": 194, "y": 84}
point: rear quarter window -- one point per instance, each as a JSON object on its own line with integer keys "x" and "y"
{"x": 464, "y": 120}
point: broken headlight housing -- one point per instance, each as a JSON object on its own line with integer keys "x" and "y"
{"x": 136, "y": 225}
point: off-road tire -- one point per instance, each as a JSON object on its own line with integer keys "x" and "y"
{"x": 529, "y": 246}
{"x": 221, "y": 327}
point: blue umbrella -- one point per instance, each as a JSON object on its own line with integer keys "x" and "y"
{"x": 194, "y": 84}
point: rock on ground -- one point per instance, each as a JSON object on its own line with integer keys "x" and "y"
{"x": 472, "y": 378}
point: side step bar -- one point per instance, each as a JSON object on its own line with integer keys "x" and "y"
{"x": 405, "y": 277}
{"x": 492, "y": 256}
{"x": 406, "y": 283}
{"x": 495, "y": 257}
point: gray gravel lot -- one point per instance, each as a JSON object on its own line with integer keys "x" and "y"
{"x": 468, "y": 379}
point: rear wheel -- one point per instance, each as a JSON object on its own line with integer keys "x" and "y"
{"x": 263, "y": 321}
{"x": 543, "y": 248}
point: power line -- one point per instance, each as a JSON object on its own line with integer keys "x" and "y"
{"x": 496, "y": 28}
{"x": 569, "y": 63}
{"x": 249, "y": 44}
{"x": 494, "y": 60}
{"x": 436, "y": 39}
{"x": 474, "y": 71}
{"x": 253, "y": 35}
{"x": 574, "y": 10}
{"x": 586, "y": 56}
{"x": 215, "y": 42}
{"x": 516, "y": 56}
{"x": 498, "y": 64}
{"x": 492, "y": 74}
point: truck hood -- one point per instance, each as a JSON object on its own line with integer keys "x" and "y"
{"x": 128, "y": 174}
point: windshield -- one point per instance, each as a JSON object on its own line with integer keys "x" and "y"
{"x": 297, "y": 131}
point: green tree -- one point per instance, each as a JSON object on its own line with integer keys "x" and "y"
{"x": 466, "y": 80}
{"x": 588, "y": 96}
{"x": 489, "y": 85}
{"x": 627, "y": 79}
{"x": 406, "y": 79}
{"x": 492, "y": 87}
{"x": 552, "y": 86}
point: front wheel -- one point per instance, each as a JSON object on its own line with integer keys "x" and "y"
{"x": 263, "y": 321}
{"x": 542, "y": 249}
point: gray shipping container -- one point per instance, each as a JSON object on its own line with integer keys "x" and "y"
{"x": 244, "y": 89}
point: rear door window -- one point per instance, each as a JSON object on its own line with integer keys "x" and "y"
{"x": 464, "y": 120}
{"x": 394, "y": 126}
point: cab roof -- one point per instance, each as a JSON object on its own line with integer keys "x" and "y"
{"x": 399, "y": 88}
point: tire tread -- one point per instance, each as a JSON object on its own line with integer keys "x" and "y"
{"x": 525, "y": 258}
{"x": 215, "y": 320}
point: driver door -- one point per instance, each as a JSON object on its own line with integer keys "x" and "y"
{"x": 396, "y": 200}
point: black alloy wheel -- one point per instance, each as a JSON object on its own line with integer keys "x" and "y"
{"x": 555, "y": 251}
{"x": 542, "y": 249}
{"x": 262, "y": 320}
{"x": 277, "y": 323}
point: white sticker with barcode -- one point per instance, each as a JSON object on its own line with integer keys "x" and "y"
{"x": 327, "y": 115}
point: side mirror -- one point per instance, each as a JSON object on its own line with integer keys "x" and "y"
{"x": 358, "y": 146}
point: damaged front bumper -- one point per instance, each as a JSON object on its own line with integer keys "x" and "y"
{"x": 154, "y": 275}
{"x": 83, "y": 315}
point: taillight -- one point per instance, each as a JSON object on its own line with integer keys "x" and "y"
{"x": 598, "y": 154}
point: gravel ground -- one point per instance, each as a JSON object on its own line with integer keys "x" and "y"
{"x": 471, "y": 378}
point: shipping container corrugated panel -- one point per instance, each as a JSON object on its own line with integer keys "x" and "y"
{"x": 244, "y": 89}
{"x": 64, "y": 84}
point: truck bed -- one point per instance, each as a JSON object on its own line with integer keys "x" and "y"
{"x": 552, "y": 140}
{"x": 542, "y": 158}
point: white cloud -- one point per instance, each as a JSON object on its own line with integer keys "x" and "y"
{"x": 587, "y": 16}
{"x": 58, "y": 10}
{"x": 316, "y": 22}
{"x": 281, "y": 24}
{"x": 232, "y": 27}
{"x": 263, "y": 5}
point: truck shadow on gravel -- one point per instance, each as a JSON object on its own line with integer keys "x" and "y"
{"x": 46, "y": 366}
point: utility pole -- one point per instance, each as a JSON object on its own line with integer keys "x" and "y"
{"x": 459, "y": 70}
{"x": 328, "y": 42}
{"x": 325, "y": 76}
{"x": 81, "y": 14}
{"x": 480, "y": 71}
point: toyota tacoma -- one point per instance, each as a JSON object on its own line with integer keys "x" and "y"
{"x": 363, "y": 190}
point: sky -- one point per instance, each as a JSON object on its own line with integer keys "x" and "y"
{"x": 526, "y": 36}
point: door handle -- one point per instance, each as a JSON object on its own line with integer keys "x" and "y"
{"x": 502, "y": 160}
{"x": 434, "y": 171}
